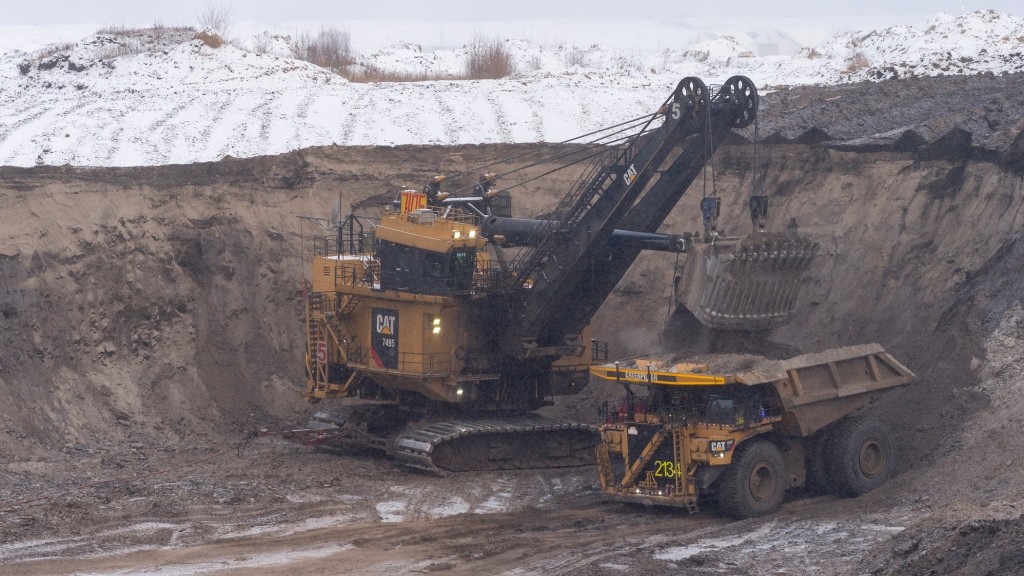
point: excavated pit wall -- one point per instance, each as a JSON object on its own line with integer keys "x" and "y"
{"x": 162, "y": 305}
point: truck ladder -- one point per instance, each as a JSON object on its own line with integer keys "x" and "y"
{"x": 604, "y": 465}
{"x": 316, "y": 372}
{"x": 686, "y": 484}
{"x": 322, "y": 323}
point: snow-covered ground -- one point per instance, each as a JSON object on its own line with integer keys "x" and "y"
{"x": 123, "y": 100}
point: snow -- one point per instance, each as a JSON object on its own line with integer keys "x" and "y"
{"x": 140, "y": 98}
{"x": 795, "y": 539}
{"x": 251, "y": 562}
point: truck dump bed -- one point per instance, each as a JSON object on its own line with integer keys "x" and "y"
{"x": 814, "y": 389}
{"x": 819, "y": 388}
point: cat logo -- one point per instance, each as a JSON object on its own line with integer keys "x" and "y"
{"x": 384, "y": 337}
{"x": 630, "y": 174}
{"x": 386, "y": 324}
{"x": 720, "y": 446}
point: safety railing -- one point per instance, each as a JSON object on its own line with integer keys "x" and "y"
{"x": 433, "y": 364}
{"x": 715, "y": 410}
{"x": 357, "y": 273}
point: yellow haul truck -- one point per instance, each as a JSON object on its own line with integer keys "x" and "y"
{"x": 746, "y": 431}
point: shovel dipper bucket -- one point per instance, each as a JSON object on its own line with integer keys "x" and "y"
{"x": 748, "y": 283}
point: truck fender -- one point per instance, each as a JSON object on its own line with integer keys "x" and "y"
{"x": 706, "y": 475}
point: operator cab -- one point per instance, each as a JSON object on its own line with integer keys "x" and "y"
{"x": 422, "y": 252}
{"x": 410, "y": 269}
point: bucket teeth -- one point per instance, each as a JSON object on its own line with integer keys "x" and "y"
{"x": 746, "y": 284}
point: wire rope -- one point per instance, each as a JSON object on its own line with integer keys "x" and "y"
{"x": 628, "y": 123}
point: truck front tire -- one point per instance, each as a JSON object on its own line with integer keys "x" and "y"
{"x": 755, "y": 483}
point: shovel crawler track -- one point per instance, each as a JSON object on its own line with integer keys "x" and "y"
{"x": 496, "y": 443}
{"x": 457, "y": 444}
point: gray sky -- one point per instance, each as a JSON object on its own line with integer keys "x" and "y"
{"x": 139, "y": 12}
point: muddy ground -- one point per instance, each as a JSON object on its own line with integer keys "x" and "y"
{"x": 150, "y": 320}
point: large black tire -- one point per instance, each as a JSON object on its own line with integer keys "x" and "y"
{"x": 755, "y": 483}
{"x": 859, "y": 455}
{"x": 816, "y": 463}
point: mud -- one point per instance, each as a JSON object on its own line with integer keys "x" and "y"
{"x": 150, "y": 319}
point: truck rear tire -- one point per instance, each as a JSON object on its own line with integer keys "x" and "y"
{"x": 861, "y": 455}
{"x": 755, "y": 483}
{"x": 816, "y": 461}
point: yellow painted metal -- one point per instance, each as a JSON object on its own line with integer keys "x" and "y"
{"x": 643, "y": 460}
{"x": 648, "y": 376}
{"x": 681, "y": 454}
{"x": 811, "y": 391}
{"x": 604, "y": 466}
{"x": 438, "y": 352}
{"x": 435, "y": 235}
{"x": 691, "y": 448}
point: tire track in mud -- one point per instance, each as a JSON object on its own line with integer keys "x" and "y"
{"x": 112, "y": 537}
{"x": 115, "y": 142}
{"x": 448, "y": 115}
{"x": 536, "y": 120}
{"x": 17, "y": 125}
{"x": 263, "y": 111}
{"x": 300, "y": 122}
{"x": 531, "y": 539}
{"x": 167, "y": 135}
{"x": 266, "y": 115}
{"x": 230, "y": 141}
{"x": 219, "y": 111}
{"x": 51, "y": 132}
{"x": 500, "y": 118}
{"x": 348, "y": 125}
{"x": 114, "y": 146}
{"x": 72, "y": 150}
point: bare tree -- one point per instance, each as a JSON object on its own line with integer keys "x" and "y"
{"x": 857, "y": 61}
{"x": 576, "y": 57}
{"x": 489, "y": 59}
{"x": 330, "y": 49}
{"x": 216, "y": 16}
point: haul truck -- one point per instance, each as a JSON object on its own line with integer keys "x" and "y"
{"x": 746, "y": 433}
